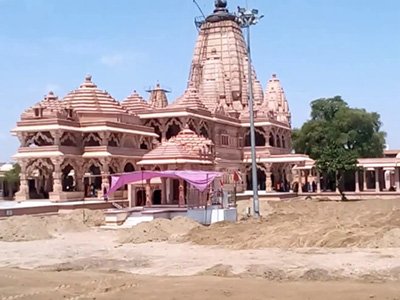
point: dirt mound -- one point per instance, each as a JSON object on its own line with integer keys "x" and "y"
{"x": 30, "y": 228}
{"x": 158, "y": 230}
{"x": 218, "y": 271}
{"x": 297, "y": 224}
{"x": 26, "y": 228}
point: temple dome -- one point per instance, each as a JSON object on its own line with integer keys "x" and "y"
{"x": 158, "y": 97}
{"x": 190, "y": 99}
{"x": 135, "y": 103}
{"x": 275, "y": 101}
{"x": 89, "y": 99}
{"x": 51, "y": 102}
{"x": 187, "y": 146}
{"x": 219, "y": 69}
{"x": 49, "y": 107}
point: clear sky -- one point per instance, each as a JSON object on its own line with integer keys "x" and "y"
{"x": 318, "y": 48}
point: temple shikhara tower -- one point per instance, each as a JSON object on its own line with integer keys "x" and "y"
{"x": 69, "y": 146}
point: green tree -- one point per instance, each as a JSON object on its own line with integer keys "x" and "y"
{"x": 12, "y": 176}
{"x": 336, "y": 135}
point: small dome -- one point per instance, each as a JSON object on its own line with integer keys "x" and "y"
{"x": 135, "y": 103}
{"x": 88, "y": 98}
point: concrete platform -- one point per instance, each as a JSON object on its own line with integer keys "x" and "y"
{"x": 32, "y": 207}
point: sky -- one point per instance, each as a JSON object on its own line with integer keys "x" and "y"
{"x": 318, "y": 49}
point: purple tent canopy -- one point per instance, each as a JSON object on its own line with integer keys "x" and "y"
{"x": 199, "y": 179}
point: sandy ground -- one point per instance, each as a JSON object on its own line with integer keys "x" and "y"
{"x": 280, "y": 257}
{"x": 35, "y": 285}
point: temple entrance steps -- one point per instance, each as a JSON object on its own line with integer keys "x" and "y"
{"x": 117, "y": 206}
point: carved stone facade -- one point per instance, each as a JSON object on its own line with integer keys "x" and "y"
{"x": 69, "y": 147}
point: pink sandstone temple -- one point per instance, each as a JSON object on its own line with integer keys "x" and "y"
{"x": 70, "y": 146}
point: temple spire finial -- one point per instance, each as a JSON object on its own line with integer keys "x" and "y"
{"x": 221, "y": 4}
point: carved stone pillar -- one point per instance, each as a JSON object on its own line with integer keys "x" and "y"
{"x": 163, "y": 191}
{"x": 357, "y": 180}
{"x": 131, "y": 196}
{"x": 318, "y": 182}
{"x": 377, "y": 181}
{"x": 79, "y": 173}
{"x": 148, "y": 193}
{"x": 397, "y": 179}
{"x": 181, "y": 193}
{"x": 268, "y": 181}
{"x": 23, "y": 193}
{"x": 104, "y": 135}
{"x": 22, "y": 136}
{"x": 105, "y": 173}
{"x": 57, "y": 179}
{"x": 57, "y": 137}
{"x": 365, "y": 185}
{"x": 300, "y": 188}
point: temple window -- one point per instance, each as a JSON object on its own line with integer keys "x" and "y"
{"x": 283, "y": 142}
{"x": 224, "y": 140}
{"x": 69, "y": 113}
{"x": 38, "y": 112}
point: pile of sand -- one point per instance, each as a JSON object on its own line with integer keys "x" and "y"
{"x": 158, "y": 230}
{"x": 297, "y": 224}
{"x": 30, "y": 228}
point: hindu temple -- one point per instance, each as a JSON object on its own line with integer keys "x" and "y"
{"x": 69, "y": 146}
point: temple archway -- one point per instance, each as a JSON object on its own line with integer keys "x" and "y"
{"x": 68, "y": 179}
{"x": 156, "y": 198}
{"x": 68, "y": 139}
{"x": 114, "y": 140}
{"x": 260, "y": 138}
{"x": 278, "y": 141}
{"x": 261, "y": 179}
{"x": 271, "y": 140}
{"x": 129, "y": 168}
{"x": 92, "y": 140}
{"x": 140, "y": 197}
{"x": 40, "y": 139}
{"x": 192, "y": 125}
{"x": 40, "y": 178}
{"x": 204, "y": 132}
{"x": 144, "y": 145}
{"x": 93, "y": 180}
{"x": 173, "y": 130}
{"x": 157, "y": 130}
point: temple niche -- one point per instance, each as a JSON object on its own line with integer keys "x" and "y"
{"x": 70, "y": 146}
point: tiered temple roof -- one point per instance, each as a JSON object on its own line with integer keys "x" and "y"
{"x": 186, "y": 147}
{"x": 89, "y": 99}
{"x": 135, "y": 103}
{"x": 190, "y": 99}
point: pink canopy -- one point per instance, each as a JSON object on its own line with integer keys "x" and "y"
{"x": 199, "y": 179}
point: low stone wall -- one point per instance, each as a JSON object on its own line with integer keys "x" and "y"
{"x": 66, "y": 196}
